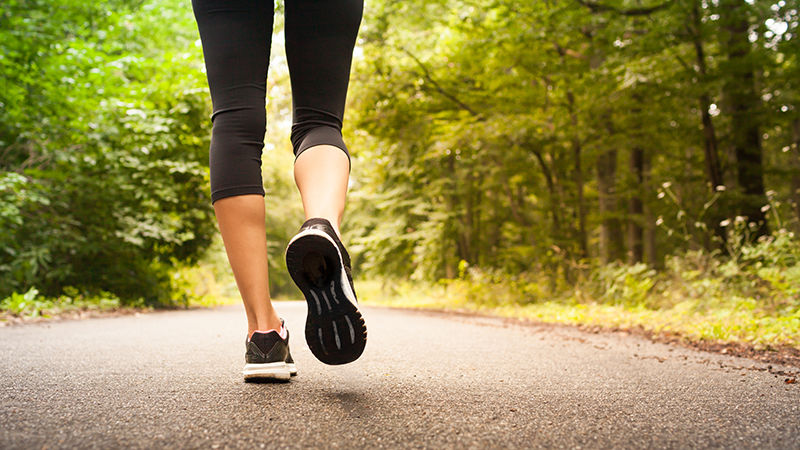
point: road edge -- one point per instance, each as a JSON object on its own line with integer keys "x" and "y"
{"x": 784, "y": 355}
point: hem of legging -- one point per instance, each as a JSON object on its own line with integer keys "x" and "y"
{"x": 341, "y": 147}
{"x": 237, "y": 190}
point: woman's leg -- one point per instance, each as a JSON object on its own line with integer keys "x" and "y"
{"x": 236, "y": 37}
{"x": 320, "y": 36}
{"x": 241, "y": 222}
{"x": 321, "y": 174}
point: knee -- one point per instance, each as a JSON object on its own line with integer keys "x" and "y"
{"x": 247, "y": 122}
{"x": 314, "y": 127}
{"x": 237, "y": 140}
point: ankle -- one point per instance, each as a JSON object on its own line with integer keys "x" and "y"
{"x": 334, "y": 221}
{"x": 271, "y": 322}
{"x": 281, "y": 330}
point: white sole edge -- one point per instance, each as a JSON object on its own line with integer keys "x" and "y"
{"x": 277, "y": 371}
{"x": 348, "y": 291}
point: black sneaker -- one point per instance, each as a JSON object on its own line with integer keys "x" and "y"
{"x": 320, "y": 266}
{"x": 268, "y": 357}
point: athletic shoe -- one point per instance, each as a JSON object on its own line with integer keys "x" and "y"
{"x": 320, "y": 266}
{"x": 267, "y": 357}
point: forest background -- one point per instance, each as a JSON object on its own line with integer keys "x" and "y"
{"x": 620, "y": 163}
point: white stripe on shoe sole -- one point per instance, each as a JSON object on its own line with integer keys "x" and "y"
{"x": 327, "y": 302}
{"x": 316, "y": 299}
{"x": 319, "y": 333}
{"x": 336, "y": 334}
{"x": 333, "y": 293}
{"x": 352, "y": 331}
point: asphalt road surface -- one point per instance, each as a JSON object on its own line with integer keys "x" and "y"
{"x": 172, "y": 379}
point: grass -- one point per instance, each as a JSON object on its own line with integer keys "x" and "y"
{"x": 749, "y": 294}
{"x": 30, "y": 305}
{"x": 715, "y": 319}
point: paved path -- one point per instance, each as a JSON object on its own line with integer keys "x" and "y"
{"x": 171, "y": 379}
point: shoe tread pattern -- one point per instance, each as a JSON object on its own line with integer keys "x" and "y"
{"x": 335, "y": 330}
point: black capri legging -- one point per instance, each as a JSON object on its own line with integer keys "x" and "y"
{"x": 236, "y": 37}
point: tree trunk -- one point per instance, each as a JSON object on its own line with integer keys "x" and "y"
{"x": 637, "y": 188}
{"x": 583, "y": 244}
{"x": 650, "y": 250}
{"x": 743, "y": 106}
{"x": 710, "y": 142}
{"x": 795, "y": 194}
{"x": 636, "y": 208}
{"x": 478, "y": 235}
{"x": 468, "y": 221}
{"x": 611, "y": 246}
{"x": 461, "y": 245}
{"x": 709, "y": 134}
{"x": 555, "y": 201}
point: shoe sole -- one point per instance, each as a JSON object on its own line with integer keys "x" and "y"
{"x": 267, "y": 371}
{"x": 335, "y": 330}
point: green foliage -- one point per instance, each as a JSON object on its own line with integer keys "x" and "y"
{"x": 625, "y": 285}
{"x": 513, "y": 150}
{"x": 588, "y": 162}
{"x": 520, "y": 137}
{"x": 103, "y": 132}
{"x": 753, "y": 298}
{"x": 32, "y": 305}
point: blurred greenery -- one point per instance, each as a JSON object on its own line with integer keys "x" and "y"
{"x": 103, "y": 131}
{"x": 583, "y": 152}
{"x": 638, "y": 155}
{"x": 104, "y": 134}
{"x": 32, "y": 305}
{"x": 544, "y": 136}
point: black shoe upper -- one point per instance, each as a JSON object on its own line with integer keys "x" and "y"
{"x": 318, "y": 263}
{"x": 267, "y": 348}
{"x": 325, "y": 226}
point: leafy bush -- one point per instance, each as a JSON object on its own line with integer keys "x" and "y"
{"x": 31, "y": 304}
{"x": 765, "y": 276}
{"x": 623, "y": 284}
{"x": 698, "y": 294}
{"x": 104, "y": 140}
